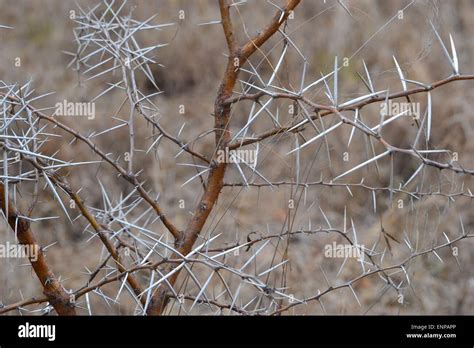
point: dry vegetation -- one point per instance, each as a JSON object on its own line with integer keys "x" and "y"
{"x": 281, "y": 229}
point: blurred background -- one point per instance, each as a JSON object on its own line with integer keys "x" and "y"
{"x": 189, "y": 72}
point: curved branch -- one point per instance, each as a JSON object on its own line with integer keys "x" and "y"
{"x": 130, "y": 177}
{"x": 222, "y": 111}
{"x": 52, "y": 288}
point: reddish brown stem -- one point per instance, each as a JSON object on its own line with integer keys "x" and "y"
{"x": 215, "y": 180}
{"x": 52, "y": 288}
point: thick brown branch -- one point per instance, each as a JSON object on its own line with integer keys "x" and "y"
{"x": 52, "y": 288}
{"x": 215, "y": 180}
{"x": 278, "y": 19}
{"x": 227, "y": 24}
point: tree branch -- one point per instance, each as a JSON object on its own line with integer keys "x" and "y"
{"x": 215, "y": 180}
{"x": 52, "y": 288}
